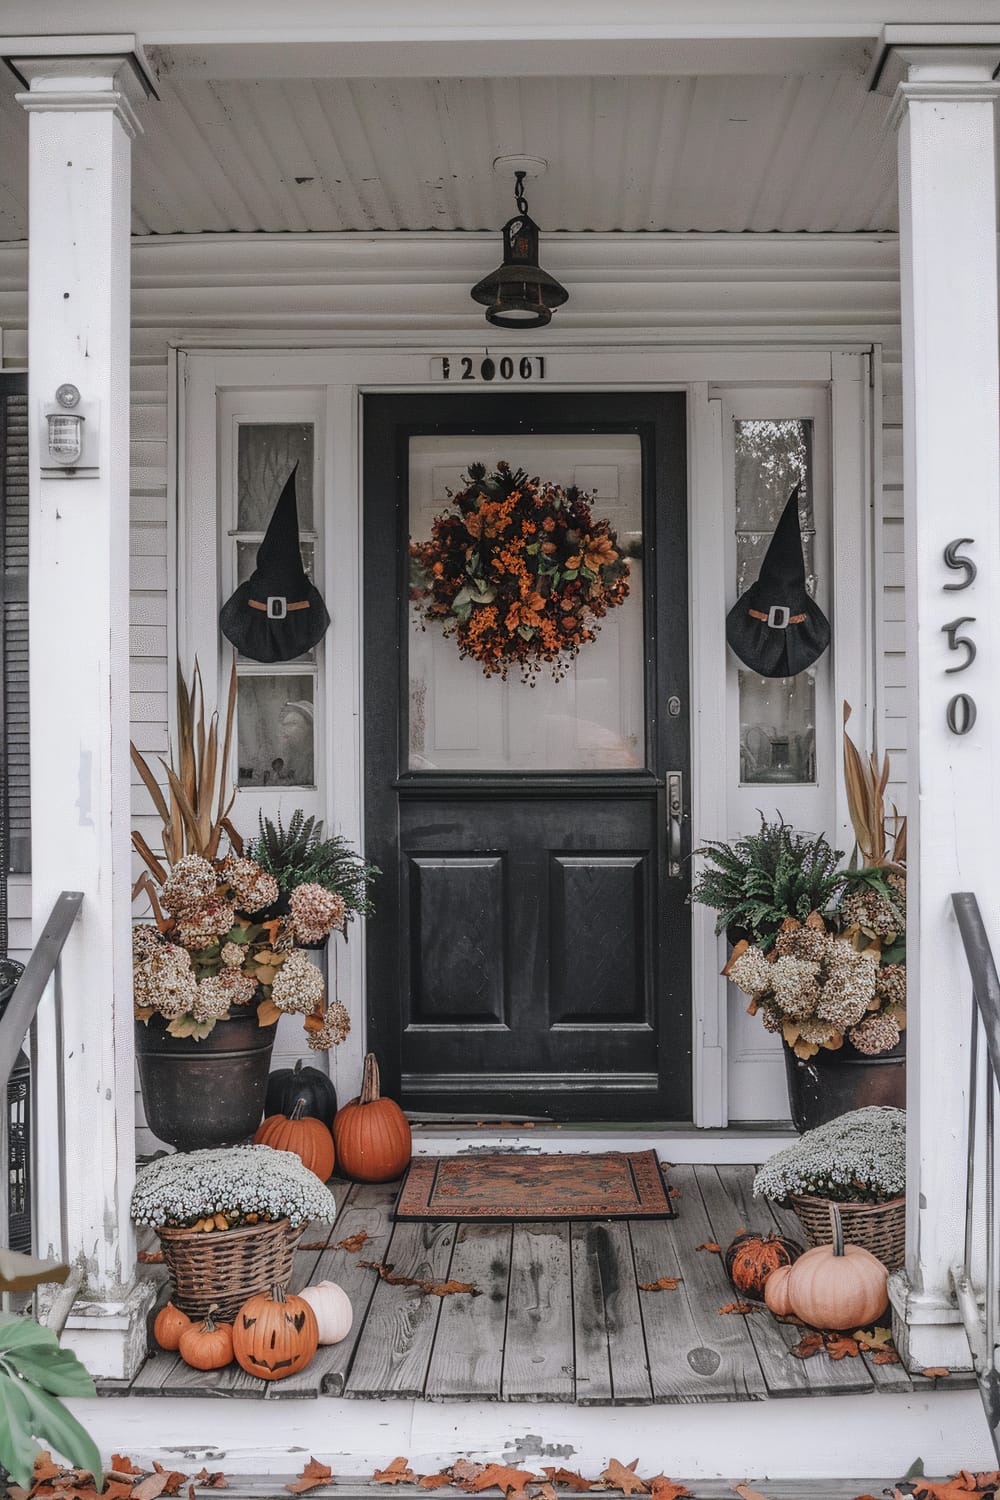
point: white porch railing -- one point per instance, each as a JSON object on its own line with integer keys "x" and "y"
{"x": 980, "y": 1312}
{"x": 40, "y": 978}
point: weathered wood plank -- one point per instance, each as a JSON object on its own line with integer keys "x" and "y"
{"x": 368, "y": 1207}
{"x": 727, "y": 1193}
{"x": 467, "y": 1359}
{"x": 607, "y": 1323}
{"x": 394, "y": 1349}
{"x": 827, "y": 1377}
{"x": 538, "y": 1356}
{"x": 694, "y": 1353}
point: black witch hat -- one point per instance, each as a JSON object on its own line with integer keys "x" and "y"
{"x": 277, "y": 614}
{"x": 775, "y": 628}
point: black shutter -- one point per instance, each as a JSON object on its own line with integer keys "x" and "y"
{"x": 15, "y": 784}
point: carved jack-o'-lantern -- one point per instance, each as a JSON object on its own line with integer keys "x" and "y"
{"x": 275, "y": 1335}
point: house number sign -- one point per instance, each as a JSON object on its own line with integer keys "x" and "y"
{"x": 505, "y": 369}
{"x": 961, "y": 711}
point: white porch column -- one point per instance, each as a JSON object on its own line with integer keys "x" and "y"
{"x": 81, "y": 126}
{"x": 951, "y": 393}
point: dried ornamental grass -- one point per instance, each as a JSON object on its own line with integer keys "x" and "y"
{"x": 242, "y": 1184}
{"x": 859, "y": 1157}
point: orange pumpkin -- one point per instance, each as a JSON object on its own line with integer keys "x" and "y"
{"x": 207, "y": 1345}
{"x": 372, "y": 1135}
{"x": 168, "y": 1325}
{"x": 275, "y": 1335}
{"x": 751, "y": 1259}
{"x": 310, "y": 1139}
{"x": 834, "y": 1286}
{"x": 776, "y": 1293}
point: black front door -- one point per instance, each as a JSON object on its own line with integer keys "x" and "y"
{"x": 531, "y": 948}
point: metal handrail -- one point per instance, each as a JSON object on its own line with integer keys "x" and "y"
{"x": 19, "y": 1017}
{"x": 981, "y": 1322}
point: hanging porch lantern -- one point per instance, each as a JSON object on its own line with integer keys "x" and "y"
{"x": 519, "y": 294}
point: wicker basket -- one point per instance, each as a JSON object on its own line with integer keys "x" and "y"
{"x": 227, "y": 1267}
{"x": 878, "y": 1227}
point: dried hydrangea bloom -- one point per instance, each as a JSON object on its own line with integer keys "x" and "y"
{"x": 298, "y": 984}
{"x": 848, "y": 988}
{"x": 890, "y": 984}
{"x": 238, "y": 985}
{"x": 233, "y": 955}
{"x": 772, "y": 1018}
{"x": 212, "y": 1000}
{"x": 315, "y": 912}
{"x": 751, "y": 971}
{"x": 165, "y": 981}
{"x": 807, "y": 943}
{"x": 146, "y": 940}
{"x": 794, "y": 986}
{"x": 252, "y": 887}
{"x": 868, "y": 909}
{"x": 336, "y": 1025}
{"x": 202, "y": 926}
{"x": 190, "y": 881}
{"x": 875, "y": 1035}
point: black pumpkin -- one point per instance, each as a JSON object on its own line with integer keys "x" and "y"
{"x": 751, "y": 1258}
{"x": 286, "y": 1086}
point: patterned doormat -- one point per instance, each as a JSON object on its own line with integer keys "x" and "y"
{"x": 505, "y": 1185}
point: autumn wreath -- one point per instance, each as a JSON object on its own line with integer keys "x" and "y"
{"x": 518, "y": 570}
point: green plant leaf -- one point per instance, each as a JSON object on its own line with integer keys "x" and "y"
{"x": 24, "y": 1333}
{"x": 56, "y": 1370}
{"x": 17, "y": 1449}
{"x": 50, "y": 1421}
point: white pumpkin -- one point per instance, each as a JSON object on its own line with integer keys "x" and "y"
{"x": 333, "y": 1310}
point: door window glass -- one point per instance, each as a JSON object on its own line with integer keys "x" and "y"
{"x": 592, "y": 719}
{"x": 275, "y": 731}
{"x": 777, "y": 714}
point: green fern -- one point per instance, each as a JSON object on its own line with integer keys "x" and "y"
{"x": 757, "y": 882}
{"x": 300, "y": 855}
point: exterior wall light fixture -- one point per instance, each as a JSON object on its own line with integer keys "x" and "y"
{"x": 69, "y": 439}
{"x": 519, "y": 294}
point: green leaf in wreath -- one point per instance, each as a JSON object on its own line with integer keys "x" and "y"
{"x": 588, "y": 573}
{"x": 533, "y": 549}
{"x": 462, "y": 611}
{"x": 571, "y": 573}
{"x": 526, "y": 632}
{"x": 464, "y": 596}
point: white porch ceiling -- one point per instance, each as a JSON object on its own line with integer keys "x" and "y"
{"x": 807, "y": 152}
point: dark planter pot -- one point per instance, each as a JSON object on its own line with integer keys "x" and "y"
{"x": 822, "y": 1087}
{"x": 207, "y": 1093}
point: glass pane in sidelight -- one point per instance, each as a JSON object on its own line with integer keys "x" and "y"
{"x": 275, "y": 730}
{"x": 594, "y": 717}
{"x": 777, "y": 714}
{"x": 267, "y": 452}
{"x": 246, "y": 559}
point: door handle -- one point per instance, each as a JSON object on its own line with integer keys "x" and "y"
{"x": 675, "y": 816}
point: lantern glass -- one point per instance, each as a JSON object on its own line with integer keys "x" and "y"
{"x": 65, "y": 436}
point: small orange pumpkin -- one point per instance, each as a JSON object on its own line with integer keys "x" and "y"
{"x": 275, "y": 1335}
{"x": 751, "y": 1259}
{"x": 310, "y": 1139}
{"x": 207, "y": 1345}
{"x": 834, "y": 1286}
{"x": 168, "y": 1325}
{"x": 372, "y": 1135}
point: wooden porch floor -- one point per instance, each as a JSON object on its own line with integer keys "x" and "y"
{"x": 559, "y": 1318}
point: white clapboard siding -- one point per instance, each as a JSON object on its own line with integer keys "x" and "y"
{"x": 893, "y": 611}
